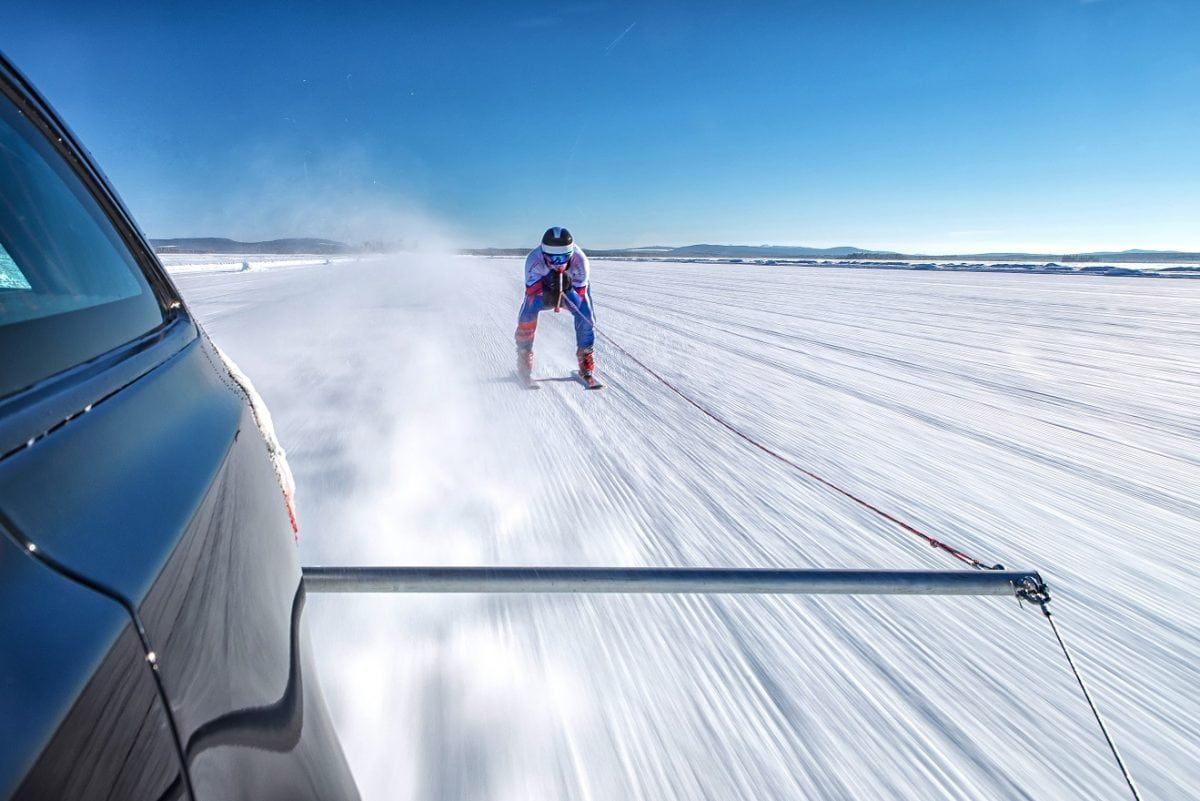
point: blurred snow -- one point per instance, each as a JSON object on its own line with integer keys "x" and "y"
{"x": 1040, "y": 421}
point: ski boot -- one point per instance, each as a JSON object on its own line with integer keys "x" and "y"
{"x": 525, "y": 367}
{"x": 587, "y": 362}
{"x": 587, "y": 368}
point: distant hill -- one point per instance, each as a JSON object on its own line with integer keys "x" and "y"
{"x": 212, "y": 244}
{"x": 1122, "y": 256}
{"x": 763, "y": 251}
{"x": 1136, "y": 256}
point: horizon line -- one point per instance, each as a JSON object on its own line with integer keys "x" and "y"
{"x": 761, "y": 246}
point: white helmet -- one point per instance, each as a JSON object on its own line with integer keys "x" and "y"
{"x": 557, "y": 247}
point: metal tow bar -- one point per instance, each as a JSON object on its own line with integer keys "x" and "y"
{"x": 1024, "y": 584}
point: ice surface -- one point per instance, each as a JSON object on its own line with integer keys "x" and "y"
{"x": 1041, "y": 421}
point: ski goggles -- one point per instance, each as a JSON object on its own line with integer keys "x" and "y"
{"x": 557, "y": 259}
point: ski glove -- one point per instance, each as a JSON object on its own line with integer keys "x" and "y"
{"x": 550, "y": 286}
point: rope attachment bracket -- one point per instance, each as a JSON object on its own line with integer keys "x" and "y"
{"x": 1031, "y": 588}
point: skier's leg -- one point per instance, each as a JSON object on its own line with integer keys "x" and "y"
{"x": 581, "y": 307}
{"x": 528, "y": 317}
{"x": 526, "y": 328}
{"x": 585, "y": 330}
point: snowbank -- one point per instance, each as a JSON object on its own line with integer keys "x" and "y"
{"x": 186, "y": 263}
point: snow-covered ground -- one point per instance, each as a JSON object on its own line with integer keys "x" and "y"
{"x": 1040, "y": 421}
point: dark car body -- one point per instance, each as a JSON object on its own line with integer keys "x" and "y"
{"x": 151, "y": 636}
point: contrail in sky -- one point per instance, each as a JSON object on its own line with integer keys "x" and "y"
{"x": 621, "y": 36}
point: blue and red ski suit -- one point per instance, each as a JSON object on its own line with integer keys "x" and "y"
{"x": 539, "y": 276}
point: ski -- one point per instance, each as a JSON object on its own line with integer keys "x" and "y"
{"x": 589, "y": 381}
{"x": 528, "y": 381}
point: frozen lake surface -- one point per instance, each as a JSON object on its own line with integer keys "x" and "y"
{"x": 1044, "y": 422}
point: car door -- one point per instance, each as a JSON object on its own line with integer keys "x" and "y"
{"x": 132, "y": 465}
{"x": 80, "y": 715}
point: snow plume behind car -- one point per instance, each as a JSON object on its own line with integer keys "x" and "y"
{"x": 339, "y": 195}
{"x": 397, "y": 463}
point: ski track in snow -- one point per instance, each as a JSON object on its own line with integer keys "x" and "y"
{"x": 1042, "y": 422}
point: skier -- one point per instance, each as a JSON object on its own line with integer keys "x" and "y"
{"x": 556, "y": 276}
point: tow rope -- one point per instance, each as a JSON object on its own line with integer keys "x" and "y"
{"x": 1112, "y": 746}
{"x": 957, "y": 553}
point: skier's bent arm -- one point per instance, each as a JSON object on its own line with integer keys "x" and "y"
{"x": 535, "y": 269}
{"x": 579, "y": 270}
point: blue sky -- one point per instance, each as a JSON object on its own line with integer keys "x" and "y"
{"x": 934, "y": 126}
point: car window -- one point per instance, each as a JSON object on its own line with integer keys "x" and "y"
{"x": 70, "y": 290}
